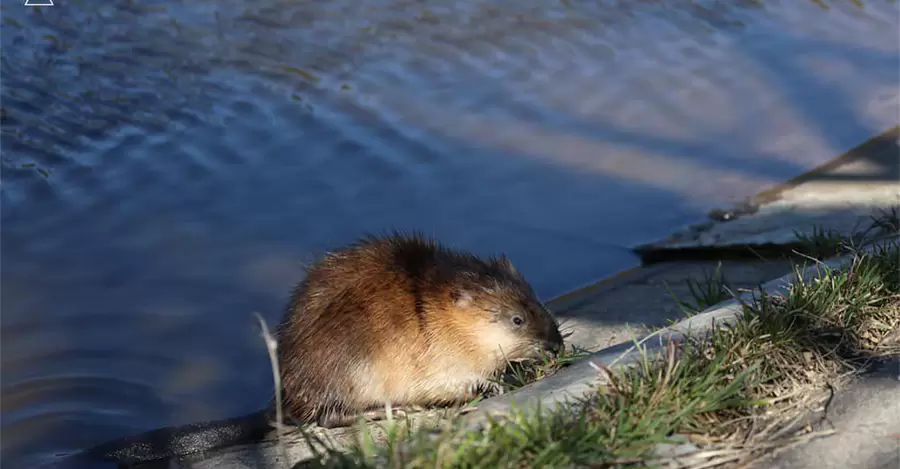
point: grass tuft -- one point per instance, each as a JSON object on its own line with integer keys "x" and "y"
{"x": 886, "y": 221}
{"x": 521, "y": 373}
{"x": 710, "y": 291}
{"x": 824, "y": 243}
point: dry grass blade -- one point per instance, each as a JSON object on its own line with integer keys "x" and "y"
{"x": 272, "y": 348}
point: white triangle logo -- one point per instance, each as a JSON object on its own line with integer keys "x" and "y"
{"x": 39, "y": 3}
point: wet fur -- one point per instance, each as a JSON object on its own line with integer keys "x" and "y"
{"x": 398, "y": 319}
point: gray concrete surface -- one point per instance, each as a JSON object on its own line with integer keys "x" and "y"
{"x": 640, "y": 300}
{"x": 841, "y": 195}
{"x": 866, "y": 419}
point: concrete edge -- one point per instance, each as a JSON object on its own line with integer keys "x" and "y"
{"x": 673, "y": 249}
{"x": 584, "y": 294}
{"x": 581, "y": 378}
{"x": 886, "y": 138}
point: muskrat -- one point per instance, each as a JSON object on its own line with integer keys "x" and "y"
{"x": 398, "y": 320}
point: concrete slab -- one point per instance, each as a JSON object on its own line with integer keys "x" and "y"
{"x": 636, "y": 302}
{"x": 840, "y": 195}
{"x": 866, "y": 419}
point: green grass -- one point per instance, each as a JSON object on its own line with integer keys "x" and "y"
{"x": 730, "y": 392}
{"x": 520, "y": 374}
{"x": 886, "y": 221}
{"x": 710, "y": 291}
{"x": 824, "y": 243}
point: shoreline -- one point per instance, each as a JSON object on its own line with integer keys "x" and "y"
{"x": 642, "y": 295}
{"x": 652, "y": 254}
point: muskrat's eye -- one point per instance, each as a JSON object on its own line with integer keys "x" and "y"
{"x": 517, "y": 320}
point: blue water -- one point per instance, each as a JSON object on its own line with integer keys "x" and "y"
{"x": 168, "y": 167}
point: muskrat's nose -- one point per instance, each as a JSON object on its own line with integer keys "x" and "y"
{"x": 554, "y": 344}
{"x": 553, "y": 347}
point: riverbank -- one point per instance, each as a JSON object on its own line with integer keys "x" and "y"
{"x": 695, "y": 395}
{"x": 721, "y": 397}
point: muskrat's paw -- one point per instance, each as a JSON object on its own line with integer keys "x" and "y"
{"x": 396, "y": 412}
{"x": 336, "y": 420}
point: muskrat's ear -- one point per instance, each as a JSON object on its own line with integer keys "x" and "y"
{"x": 462, "y": 298}
{"x": 504, "y": 262}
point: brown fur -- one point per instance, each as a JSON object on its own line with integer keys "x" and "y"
{"x": 401, "y": 319}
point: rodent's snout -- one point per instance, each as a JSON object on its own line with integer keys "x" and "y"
{"x": 554, "y": 344}
{"x": 553, "y": 348}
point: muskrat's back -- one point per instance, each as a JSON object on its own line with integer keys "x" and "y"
{"x": 401, "y": 319}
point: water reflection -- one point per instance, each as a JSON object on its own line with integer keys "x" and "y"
{"x": 169, "y": 167}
